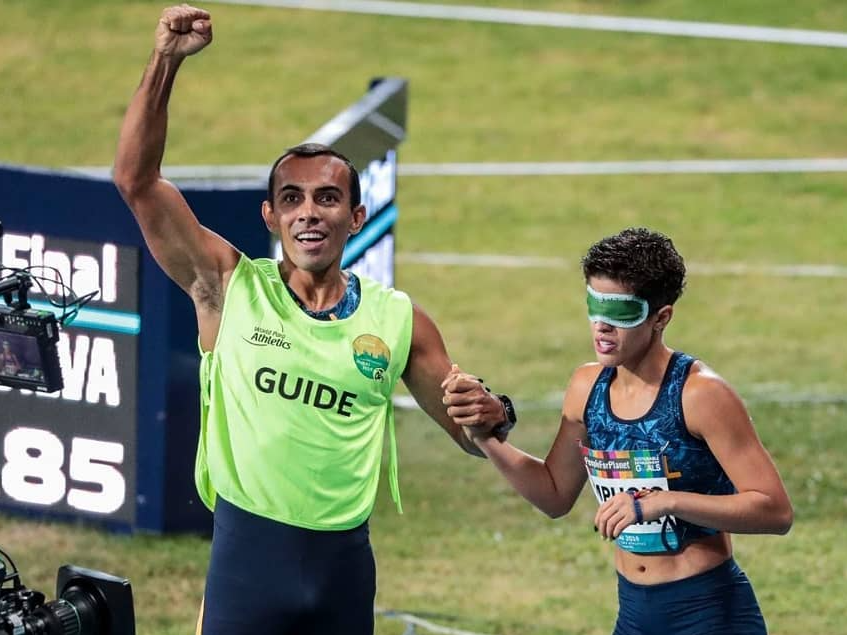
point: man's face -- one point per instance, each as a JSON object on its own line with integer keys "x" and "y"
{"x": 310, "y": 211}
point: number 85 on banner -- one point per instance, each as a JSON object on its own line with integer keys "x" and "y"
{"x": 32, "y": 471}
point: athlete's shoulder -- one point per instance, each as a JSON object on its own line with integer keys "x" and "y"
{"x": 250, "y": 266}
{"x": 377, "y": 289}
{"x": 704, "y": 388}
{"x": 586, "y": 374}
{"x": 263, "y": 264}
{"x": 579, "y": 387}
{"x": 703, "y": 377}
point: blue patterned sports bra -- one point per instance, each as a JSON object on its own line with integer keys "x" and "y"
{"x": 690, "y": 464}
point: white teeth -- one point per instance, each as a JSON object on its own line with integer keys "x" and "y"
{"x": 310, "y": 236}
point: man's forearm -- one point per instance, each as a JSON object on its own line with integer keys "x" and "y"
{"x": 142, "y": 141}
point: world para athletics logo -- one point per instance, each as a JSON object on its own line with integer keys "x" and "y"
{"x": 268, "y": 337}
{"x": 371, "y": 355}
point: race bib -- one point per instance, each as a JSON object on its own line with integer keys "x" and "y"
{"x": 616, "y": 471}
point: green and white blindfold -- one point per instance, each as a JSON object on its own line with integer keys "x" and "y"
{"x": 622, "y": 310}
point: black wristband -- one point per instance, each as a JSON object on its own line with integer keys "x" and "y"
{"x": 501, "y": 430}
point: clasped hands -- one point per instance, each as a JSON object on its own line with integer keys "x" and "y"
{"x": 471, "y": 405}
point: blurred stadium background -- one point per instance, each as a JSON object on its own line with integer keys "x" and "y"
{"x": 494, "y": 259}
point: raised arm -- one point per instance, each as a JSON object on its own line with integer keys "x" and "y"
{"x": 197, "y": 259}
{"x": 427, "y": 368}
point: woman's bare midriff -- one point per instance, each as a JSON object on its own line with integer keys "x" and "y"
{"x": 695, "y": 557}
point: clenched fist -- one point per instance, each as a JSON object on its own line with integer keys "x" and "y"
{"x": 183, "y": 30}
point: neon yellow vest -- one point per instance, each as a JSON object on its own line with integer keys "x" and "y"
{"x": 293, "y": 409}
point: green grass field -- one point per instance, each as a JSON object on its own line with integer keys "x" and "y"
{"x": 468, "y": 553}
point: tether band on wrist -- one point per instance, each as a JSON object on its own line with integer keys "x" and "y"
{"x": 639, "y": 515}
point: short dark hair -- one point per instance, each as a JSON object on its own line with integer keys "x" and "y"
{"x": 316, "y": 150}
{"x": 644, "y": 261}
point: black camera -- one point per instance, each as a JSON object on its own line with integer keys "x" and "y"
{"x": 28, "y": 355}
{"x": 28, "y": 337}
{"x": 87, "y": 603}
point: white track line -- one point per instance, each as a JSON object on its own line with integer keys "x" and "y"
{"x": 415, "y": 621}
{"x": 505, "y": 261}
{"x": 563, "y": 20}
{"x": 554, "y": 402}
{"x": 556, "y": 168}
{"x": 480, "y": 260}
{"x": 574, "y": 168}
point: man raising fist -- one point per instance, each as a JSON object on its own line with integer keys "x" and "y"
{"x": 290, "y": 436}
{"x": 183, "y": 31}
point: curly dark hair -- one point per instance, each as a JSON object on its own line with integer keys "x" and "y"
{"x": 644, "y": 261}
{"x": 316, "y": 150}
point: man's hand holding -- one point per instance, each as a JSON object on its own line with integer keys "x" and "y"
{"x": 182, "y": 31}
{"x": 470, "y": 404}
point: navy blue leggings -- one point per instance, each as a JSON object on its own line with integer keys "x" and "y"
{"x": 717, "y": 602}
{"x": 271, "y": 578}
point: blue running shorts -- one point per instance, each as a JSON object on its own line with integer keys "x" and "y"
{"x": 275, "y": 579}
{"x": 716, "y": 602}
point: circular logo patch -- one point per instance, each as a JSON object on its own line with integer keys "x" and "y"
{"x": 371, "y": 356}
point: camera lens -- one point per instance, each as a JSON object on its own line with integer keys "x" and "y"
{"x": 92, "y": 620}
{"x": 75, "y": 613}
{"x": 52, "y": 618}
